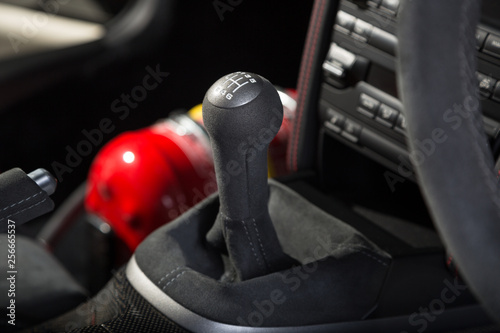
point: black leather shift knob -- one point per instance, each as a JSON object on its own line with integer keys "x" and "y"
{"x": 242, "y": 113}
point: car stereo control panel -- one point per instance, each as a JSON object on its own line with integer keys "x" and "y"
{"x": 359, "y": 102}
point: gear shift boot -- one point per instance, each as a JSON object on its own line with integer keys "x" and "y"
{"x": 179, "y": 272}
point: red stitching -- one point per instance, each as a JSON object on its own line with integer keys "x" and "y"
{"x": 296, "y": 128}
{"x": 303, "y": 82}
{"x": 294, "y": 145}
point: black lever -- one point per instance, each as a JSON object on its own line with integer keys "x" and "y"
{"x": 242, "y": 113}
{"x": 24, "y": 197}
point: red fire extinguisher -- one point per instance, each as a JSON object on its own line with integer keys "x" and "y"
{"x": 143, "y": 179}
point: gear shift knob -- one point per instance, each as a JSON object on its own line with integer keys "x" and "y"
{"x": 242, "y": 113}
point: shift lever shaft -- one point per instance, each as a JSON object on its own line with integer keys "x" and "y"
{"x": 242, "y": 113}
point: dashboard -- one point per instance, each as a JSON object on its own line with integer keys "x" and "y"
{"x": 359, "y": 103}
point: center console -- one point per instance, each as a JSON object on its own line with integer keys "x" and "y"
{"x": 359, "y": 103}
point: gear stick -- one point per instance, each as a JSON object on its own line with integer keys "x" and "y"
{"x": 242, "y": 113}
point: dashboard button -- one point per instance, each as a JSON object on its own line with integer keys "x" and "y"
{"x": 340, "y": 56}
{"x": 337, "y": 63}
{"x": 390, "y": 6}
{"x": 344, "y": 22}
{"x": 486, "y": 84}
{"x": 335, "y": 121}
{"x": 401, "y": 124}
{"x": 352, "y": 131}
{"x": 387, "y": 115}
{"x": 334, "y": 70}
{"x": 480, "y": 37}
{"x": 368, "y": 104}
{"x": 383, "y": 41}
{"x": 362, "y": 30}
{"x": 492, "y": 46}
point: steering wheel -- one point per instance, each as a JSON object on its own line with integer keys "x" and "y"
{"x": 454, "y": 165}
